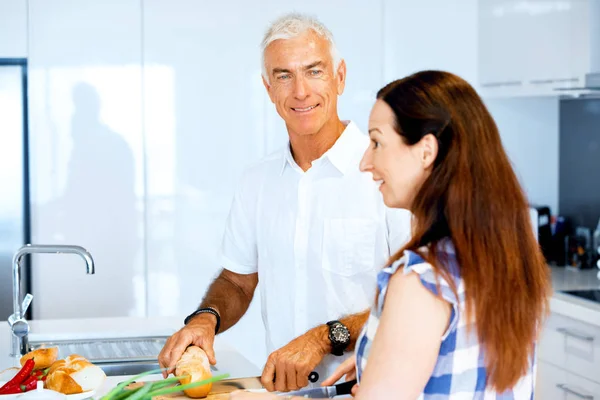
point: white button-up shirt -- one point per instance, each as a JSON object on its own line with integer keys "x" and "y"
{"x": 317, "y": 238}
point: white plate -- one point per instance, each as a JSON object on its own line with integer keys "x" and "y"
{"x": 79, "y": 396}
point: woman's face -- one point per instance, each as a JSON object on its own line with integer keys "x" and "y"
{"x": 400, "y": 169}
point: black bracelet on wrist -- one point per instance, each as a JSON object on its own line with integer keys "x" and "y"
{"x": 209, "y": 310}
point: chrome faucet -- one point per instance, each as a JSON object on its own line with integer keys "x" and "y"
{"x": 17, "y": 321}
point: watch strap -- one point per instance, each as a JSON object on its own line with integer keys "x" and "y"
{"x": 203, "y": 310}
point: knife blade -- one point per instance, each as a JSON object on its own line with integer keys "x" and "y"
{"x": 230, "y": 385}
{"x": 325, "y": 392}
{"x": 248, "y": 383}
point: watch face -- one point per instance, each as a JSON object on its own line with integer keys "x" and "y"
{"x": 340, "y": 334}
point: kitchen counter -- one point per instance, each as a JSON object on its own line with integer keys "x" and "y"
{"x": 229, "y": 360}
{"x": 571, "y": 306}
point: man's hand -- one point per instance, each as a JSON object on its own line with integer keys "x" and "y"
{"x": 200, "y": 331}
{"x": 290, "y": 366}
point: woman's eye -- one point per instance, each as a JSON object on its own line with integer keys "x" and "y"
{"x": 375, "y": 144}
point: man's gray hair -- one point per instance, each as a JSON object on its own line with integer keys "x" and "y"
{"x": 292, "y": 25}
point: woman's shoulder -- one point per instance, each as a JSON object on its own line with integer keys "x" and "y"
{"x": 446, "y": 278}
{"x": 417, "y": 260}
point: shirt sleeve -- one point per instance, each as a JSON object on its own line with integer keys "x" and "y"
{"x": 436, "y": 284}
{"x": 238, "y": 248}
{"x": 398, "y": 223}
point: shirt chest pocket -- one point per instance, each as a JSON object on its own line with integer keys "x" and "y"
{"x": 349, "y": 245}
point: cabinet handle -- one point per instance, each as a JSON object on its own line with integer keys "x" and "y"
{"x": 577, "y": 335}
{"x": 567, "y": 389}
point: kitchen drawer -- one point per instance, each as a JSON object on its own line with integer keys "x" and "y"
{"x": 572, "y": 345}
{"x": 554, "y": 383}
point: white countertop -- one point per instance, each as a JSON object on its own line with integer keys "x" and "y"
{"x": 229, "y": 360}
{"x": 571, "y": 306}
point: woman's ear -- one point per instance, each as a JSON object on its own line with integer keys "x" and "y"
{"x": 429, "y": 150}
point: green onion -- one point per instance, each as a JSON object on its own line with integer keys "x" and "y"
{"x": 152, "y": 389}
{"x": 154, "y": 384}
{"x": 120, "y": 386}
{"x": 138, "y": 395}
{"x": 180, "y": 388}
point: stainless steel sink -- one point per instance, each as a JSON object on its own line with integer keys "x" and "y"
{"x": 132, "y": 368}
{"x": 109, "y": 350}
{"x": 116, "y": 356}
{"x": 127, "y": 368}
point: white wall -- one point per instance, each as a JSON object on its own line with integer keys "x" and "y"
{"x": 182, "y": 111}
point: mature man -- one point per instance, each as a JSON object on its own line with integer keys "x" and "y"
{"x": 305, "y": 222}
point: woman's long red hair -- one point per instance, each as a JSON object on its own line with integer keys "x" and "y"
{"x": 474, "y": 197}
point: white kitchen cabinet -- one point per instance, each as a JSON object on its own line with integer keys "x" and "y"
{"x": 445, "y": 40}
{"x": 555, "y": 383}
{"x": 204, "y": 107}
{"x": 13, "y": 28}
{"x": 572, "y": 345}
{"x": 86, "y": 156}
{"x": 536, "y": 47}
{"x": 568, "y": 359}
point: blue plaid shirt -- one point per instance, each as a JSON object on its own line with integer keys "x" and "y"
{"x": 460, "y": 371}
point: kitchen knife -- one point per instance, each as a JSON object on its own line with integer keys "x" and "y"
{"x": 250, "y": 383}
{"x": 325, "y": 392}
{"x": 231, "y": 385}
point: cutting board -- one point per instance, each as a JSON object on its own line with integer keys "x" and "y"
{"x": 220, "y": 390}
{"x": 181, "y": 396}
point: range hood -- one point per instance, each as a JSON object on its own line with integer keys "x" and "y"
{"x": 591, "y": 86}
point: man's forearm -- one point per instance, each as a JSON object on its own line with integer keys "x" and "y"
{"x": 229, "y": 298}
{"x": 354, "y": 323}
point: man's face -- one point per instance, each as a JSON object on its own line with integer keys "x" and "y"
{"x": 302, "y": 82}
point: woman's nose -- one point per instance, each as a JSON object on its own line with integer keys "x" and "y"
{"x": 365, "y": 163}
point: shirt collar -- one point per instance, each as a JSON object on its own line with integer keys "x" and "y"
{"x": 341, "y": 154}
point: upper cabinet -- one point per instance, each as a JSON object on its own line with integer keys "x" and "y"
{"x": 13, "y": 29}
{"x": 430, "y": 34}
{"x": 539, "y": 47}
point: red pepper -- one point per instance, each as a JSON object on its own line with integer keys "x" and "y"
{"x": 23, "y": 374}
{"x": 29, "y": 383}
{"x": 11, "y": 390}
{"x": 39, "y": 374}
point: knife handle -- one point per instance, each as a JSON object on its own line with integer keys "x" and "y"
{"x": 345, "y": 388}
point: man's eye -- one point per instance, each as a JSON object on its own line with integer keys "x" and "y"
{"x": 283, "y": 77}
{"x": 315, "y": 72}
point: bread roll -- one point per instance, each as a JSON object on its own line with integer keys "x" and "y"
{"x": 194, "y": 363}
{"x": 74, "y": 375}
{"x": 43, "y": 357}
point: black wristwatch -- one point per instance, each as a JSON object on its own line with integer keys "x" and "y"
{"x": 209, "y": 310}
{"x": 339, "y": 335}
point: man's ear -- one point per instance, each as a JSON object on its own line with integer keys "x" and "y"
{"x": 341, "y": 77}
{"x": 268, "y": 87}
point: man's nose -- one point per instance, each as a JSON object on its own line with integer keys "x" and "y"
{"x": 301, "y": 89}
